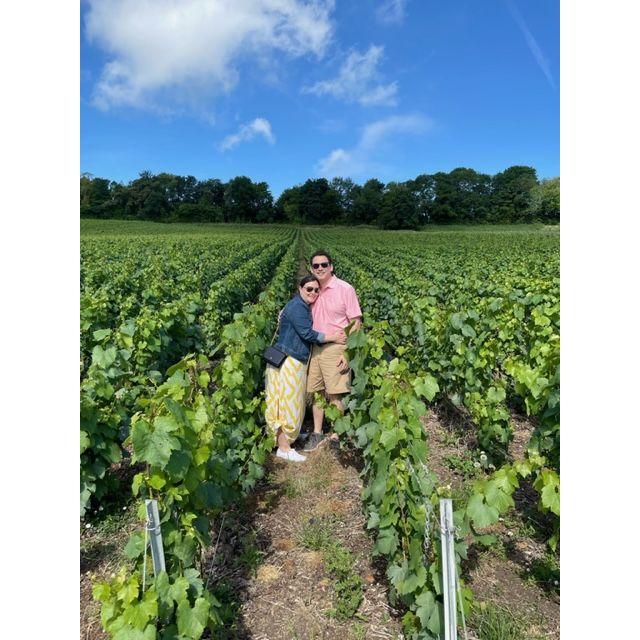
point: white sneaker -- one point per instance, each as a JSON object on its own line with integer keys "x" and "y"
{"x": 291, "y": 456}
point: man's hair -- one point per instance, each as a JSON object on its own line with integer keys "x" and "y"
{"x": 307, "y": 280}
{"x": 320, "y": 253}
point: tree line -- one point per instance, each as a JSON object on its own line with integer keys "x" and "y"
{"x": 460, "y": 196}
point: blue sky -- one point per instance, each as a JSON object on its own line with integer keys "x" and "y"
{"x": 285, "y": 90}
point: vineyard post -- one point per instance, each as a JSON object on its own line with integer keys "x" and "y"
{"x": 447, "y": 532}
{"x": 155, "y": 536}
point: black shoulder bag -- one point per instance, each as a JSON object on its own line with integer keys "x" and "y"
{"x": 274, "y": 356}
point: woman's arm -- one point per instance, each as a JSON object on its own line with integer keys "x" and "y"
{"x": 303, "y": 325}
{"x": 301, "y": 320}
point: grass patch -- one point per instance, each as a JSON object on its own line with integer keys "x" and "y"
{"x": 494, "y": 622}
{"x": 464, "y": 465}
{"x": 545, "y": 572}
{"x": 250, "y": 556}
{"x": 317, "y": 534}
{"x": 229, "y": 611}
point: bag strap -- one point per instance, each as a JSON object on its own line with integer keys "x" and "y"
{"x": 277, "y": 326}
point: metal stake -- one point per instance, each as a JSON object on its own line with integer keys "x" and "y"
{"x": 155, "y": 536}
{"x": 448, "y": 568}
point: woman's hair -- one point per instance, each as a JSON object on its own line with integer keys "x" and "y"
{"x": 307, "y": 280}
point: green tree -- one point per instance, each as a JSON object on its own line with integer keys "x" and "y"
{"x": 545, "y": 201}
{"x": 94, "y": 195}
{"x": 287, "y": 206}
{"x": 442, "y": 208}
{"x": 399, "y": 207}
{"x": 346, "y": 191}
{"x": 471, "y": 194}
{"x": 263, "y": 203}
{"x": 210, "y": 192}
{"x": 511, "y": 194}
{"x": 238, "y": 200}
{"x": 424, "y": 190}
{"x": 245, "y": 201}
{"x": 318, "y": 203}
{"x": 367, "y": 202}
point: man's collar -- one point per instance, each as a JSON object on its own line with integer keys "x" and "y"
{"x": 331, "y": 282}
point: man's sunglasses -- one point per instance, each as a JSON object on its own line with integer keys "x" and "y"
{"x": 312, "y": 289}
{"x": 317, "y": 265}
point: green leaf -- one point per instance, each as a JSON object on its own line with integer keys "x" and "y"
{"x": 548, "y": 484}
{"x": 496, "y": 395}
{"x": 135, "y": 546}
{"x": 468, "y": 331}
{"x": 178, "y": 590}
{"x": 100, "y": 334}
{"x": 128, "y": 327}
{"x": 104, "y": 357}
{"x": 389, "y": 438}
{"x": 487, "y": 540}
{"x": 427, "y": 612}
{"x": 178, "y": 464}
{"x": 414, "y": 581}
{"x": 192, "y": 621}
{"x": 396, "y": 573}
{"x": 127, "y": 633}
{"x": 163, "y": 587}
{"x": 426, "y": 387}
{"x": 85, "y": 441}
{"x": 184, "y": 549}
{"x": 378, "y": 487}
{"x": 138, "y": 614}
{"x": 374, "y": 520}
{"x": 387, "y": 541}
{"x": 210, "y": 494}
{"x": 195, "y": 581}
{"x": 481, "y": 514}
{"x": 153, "y": 446}
{"x": 457, "y": 320}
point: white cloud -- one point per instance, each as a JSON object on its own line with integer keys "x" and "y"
{"x": 391, "y": 11}
{"x": 175, "y": 51}
{"x": 258, "y": 127}
{"x": 358, "y": 81}
{"x": 373, "y": 139}
{"x": 339, "y": 163}
{"x": 532, "y": 43}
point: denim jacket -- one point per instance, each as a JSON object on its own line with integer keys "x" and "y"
{"x": 296, "y": 332}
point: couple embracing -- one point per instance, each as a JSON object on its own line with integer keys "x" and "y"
{"x": 312, "y": 336}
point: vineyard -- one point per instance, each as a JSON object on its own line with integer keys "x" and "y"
{"x": 174, "y": 319}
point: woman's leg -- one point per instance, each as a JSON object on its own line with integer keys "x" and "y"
{"x": 293, "y": 406}
{"x": 273, "y": 394}
{"x": 283, "y": 442}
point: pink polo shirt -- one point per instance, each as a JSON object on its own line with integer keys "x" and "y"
{"x": 336, "y": 303}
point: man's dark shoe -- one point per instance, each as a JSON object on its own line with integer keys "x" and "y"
{"x": 313, "y": 441}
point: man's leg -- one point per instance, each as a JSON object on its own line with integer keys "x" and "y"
{"x": 336, "y": 400}
{"x": 318, "y": 416}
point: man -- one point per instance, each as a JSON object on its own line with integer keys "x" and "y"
{"x": 337, "y": 305}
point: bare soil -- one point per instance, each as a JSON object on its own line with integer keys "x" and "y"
{"x": 288, "y": 592}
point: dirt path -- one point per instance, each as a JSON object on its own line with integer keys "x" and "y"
{"x": 296, "y": 522}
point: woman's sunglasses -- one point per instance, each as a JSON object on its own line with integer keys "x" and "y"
{"x": 317, "y": 265}
{"x": 312, "y": 289}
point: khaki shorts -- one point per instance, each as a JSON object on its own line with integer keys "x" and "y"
{"x": 323, "y": 373}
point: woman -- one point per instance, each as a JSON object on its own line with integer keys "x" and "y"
{"x": 286, "y": 386}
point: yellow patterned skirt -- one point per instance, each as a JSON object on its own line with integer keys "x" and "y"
{"x": 286, "y": 390}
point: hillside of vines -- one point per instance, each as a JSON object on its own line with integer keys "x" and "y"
{"x": 173, "y": 323}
